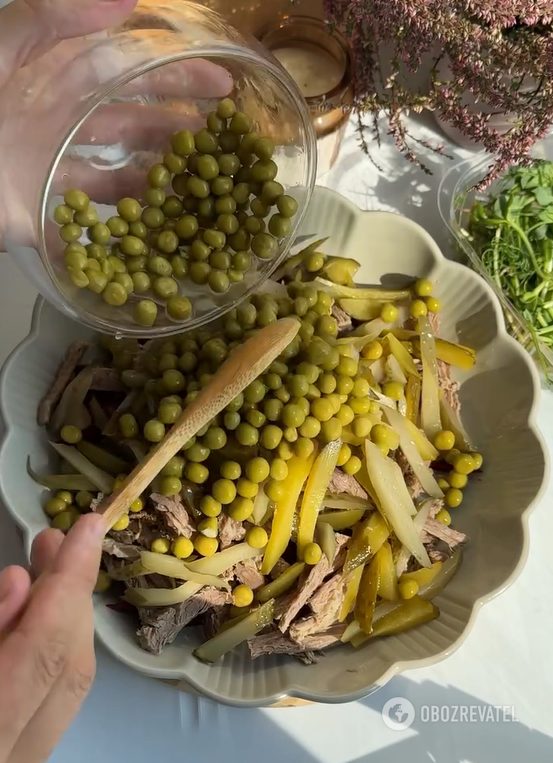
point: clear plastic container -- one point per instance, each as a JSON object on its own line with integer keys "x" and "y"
{"x": 456, "y": 194}
{"x": 95, "y": 114}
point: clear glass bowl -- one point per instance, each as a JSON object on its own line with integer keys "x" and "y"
{"x": 96, "y": 113}
{"x": 456, "y": 194}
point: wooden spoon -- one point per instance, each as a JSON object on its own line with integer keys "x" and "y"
{"x": 244, "y": 365}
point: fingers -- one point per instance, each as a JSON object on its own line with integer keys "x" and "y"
{"x": 56, "y": 712}
{"x": 192, "y": 78}
{"x": 15, "y": 585}
{"x": 35, "y": 655}
{"x": 80, "y": 554}
{"x": 28, "y": 28}
{"x": 44, "y": 549}
{"x": 134, "y": 125}
{"x": 103, "y": 186}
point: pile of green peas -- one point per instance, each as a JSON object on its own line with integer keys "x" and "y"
{"x": 313, "y": 393}
{"x": 212, "y": 207}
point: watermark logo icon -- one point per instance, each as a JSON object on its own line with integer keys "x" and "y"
{"x": 398, "y": 713}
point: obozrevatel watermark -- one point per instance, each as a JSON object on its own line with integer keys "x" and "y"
{"x": 399, "y": 714}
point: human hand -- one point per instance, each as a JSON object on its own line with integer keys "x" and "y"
{"x": 47, "y": 639}
{"x": 41, "y": 40}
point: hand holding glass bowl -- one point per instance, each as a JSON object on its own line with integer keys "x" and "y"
{"x": 97, "y": 113}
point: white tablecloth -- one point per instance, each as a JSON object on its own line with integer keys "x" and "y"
{"x": 506, "y": 661}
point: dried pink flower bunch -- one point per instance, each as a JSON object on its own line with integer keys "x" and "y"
{"x": 499, "y": 51}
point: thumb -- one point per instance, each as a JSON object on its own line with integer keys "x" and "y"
{"x": 28, "y": 28}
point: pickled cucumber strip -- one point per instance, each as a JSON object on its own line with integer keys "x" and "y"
{"x": 315, "y": 489}
{"x": 102, "y": 480}
{"x": 410, "y": 613}
{"x": 280, "y": 585}
{"x": 228, "y": 639}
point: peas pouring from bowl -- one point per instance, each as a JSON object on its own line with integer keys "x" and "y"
{"x": 224, "y": 209}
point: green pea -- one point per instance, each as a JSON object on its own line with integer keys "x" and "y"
{"x": 179, "y": 184}
{"x": 215, "y": 438}
{"x": 259, "y": 208}
{"x": 141, "y": 282}
{"x": 218, "y": 281}
{"x": 70, "y": 232}
{"x": 240, "y": 123}
{"x": 219, "y": 259}
{"x": 172, "y": 208}
{"x": 129, "y": 210}
{"x": 226, "y": 108}
{"x": 222, "y": 185}
{"x": 229, "y": 141}
{"x": 107, "y": 268}
{"x": 96, "y": 252}
{"x": 153, "y": 218}
{"x": 198, "y": 272}
{"x": 99, "y": 234}
{"x": 198, "y": 453}
{"x": 229, "y": 164}
{"x": 246, "y": 315}
{"x": 196, "y": 473}
{"x": 242, "y": 261}
{"x": 208, "y": 167}
{"x": 182, "y": 143}
{"x": 92, "y": 265}
{"x": 228, "y": 224}
{"x": 115, "y": 294}
{"x": 214, "y": 238}
{"x": 243, "y": 175}
{"x": 271, "y": 437}
{"x": 159, "y": 266}
{"x": 246, "y": 434}
{"x": 76, "y": 260}
{"x": 77, "y": 200}
{"x": 179, "y": 307}
{"x": 97, "y": 281}
{"x": 292, "y": 415}
{"x": 186, "y": 227}
{"x": 145, "y": 314}
{"x": 180, "y": 266}
{"x": 272, "y": 409}
{"x": 255, "y": 418}
{"x": 164, "y": 286}
{"x": 198, "y": 187}
{"x": 205, "y": 141}
{"x": 128, "y": 426}
{"x": 74, "y": 246}
{"x": 86, "y": 218}
{"x": 199, "y": 251}
{"x": 168, "y": 241}
{"x": 215, "y": 123}
{"x": 264, "y": 246}
{"x": 125, "y": 280}
{"x": 174, "y": 163}
{"x": 63, "y": 214}
{"x": 118, "y": 227}
{"x": 297, "y": 385}
{"x": 174, "y": 380}
{"x": 271, "y": 191}
{"x": 188, "y": 361}
{"x": 264, "y": 170}
{"x": 132, "y": 246}
{"x": 78, "y": 277}
{"x": 241, "y": 193}
{"x": 168, "y": 413}
{"x": 225, "y": 205}
{"x": 287, "y": 206}
{"x": 280, "y": 226}
{"x": 159, "y": 176}
{"x": 174, "y": 467}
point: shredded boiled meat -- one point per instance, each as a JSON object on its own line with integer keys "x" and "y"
{"x": 340, "y": 482}
{"x": 435, "y": 529}
{"x": 106, "y": 380}
{"x": 174, "y": 514}
{"x": 120, "y": 550}
{"x": 342, "y": 318}
{"x": 325, "y": 604}
{"x": 246, "y": 572}
{"x": 310, "y": 581}
{"x": 411, "y": 480}
{"x": 161, "y": 626}
{"x": 230, "y": 531}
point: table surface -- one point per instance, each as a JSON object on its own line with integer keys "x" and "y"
{"x": 506, "y": 660}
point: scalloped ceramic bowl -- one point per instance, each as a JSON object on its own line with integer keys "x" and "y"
{"x": 498, "y": 395}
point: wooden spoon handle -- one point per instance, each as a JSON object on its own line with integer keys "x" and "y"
{"x": 244, "y": 365}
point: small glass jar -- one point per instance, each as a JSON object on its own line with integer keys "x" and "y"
{"x": 96, "y": 113}
{"x": 319, "y": 60}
